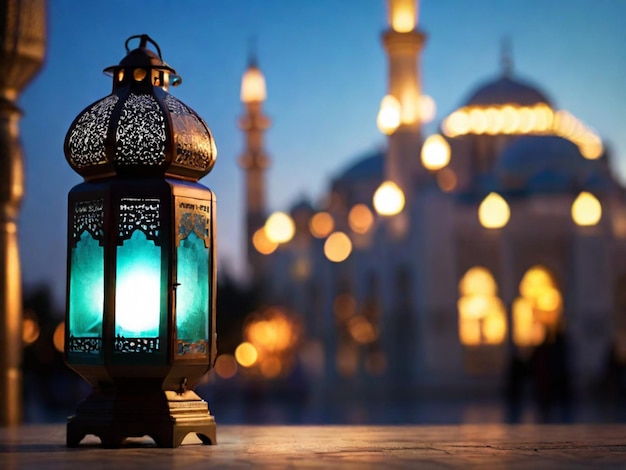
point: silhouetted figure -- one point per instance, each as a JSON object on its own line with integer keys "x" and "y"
{"x": 515, "y": 384}
{"x": 550, "y": 370}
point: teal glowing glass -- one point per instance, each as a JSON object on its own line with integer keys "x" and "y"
{"x": 86, "y": 293}
{"x": 138, "y": 288}
{"x": 192, "y": 295}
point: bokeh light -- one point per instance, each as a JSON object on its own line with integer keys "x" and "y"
{"x": 435, "y": 152}
{"x": 360, "y": 218}
{"x": 246, "y": 354}
{"x": 321, "y": 224}
{"x": 493, "y": 211}
{"x": 337, "y": 247}
{"x": 279, "y": 227}
{"x": 388, "y": 118}
{"x": 225, "y": 366}
{"x": 262, "y": 244}
{"x": 586, "y": 210}
{"x": 388, "y": 199}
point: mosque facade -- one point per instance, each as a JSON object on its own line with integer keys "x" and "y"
{"x": 505, "y": 239}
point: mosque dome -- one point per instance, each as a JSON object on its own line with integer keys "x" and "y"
{"x": 369, "y": 167}
{"x": 506, "y": 90}
{"x": 544, "y": 163}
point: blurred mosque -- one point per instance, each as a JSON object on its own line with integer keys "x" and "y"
{"x": 439, "y": 262}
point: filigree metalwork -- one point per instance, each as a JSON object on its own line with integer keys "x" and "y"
{"x": 88, "y": 345}
{"x": 88, "y": 216}
{"x": 197, "y": 347}
{"x": 140, "y": 135}
{"x": 194, "y": 143}
{"x": 139, "y": 214}
{"x": 136, "y": 345}
{"x": 193, "y": 216}
{"x": 86, "y": 141}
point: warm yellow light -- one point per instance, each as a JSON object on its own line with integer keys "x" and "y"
{"x": 279, "y": 227}
{"x": 253, "y": 86}
{"x": 388, "y": 118}
{"x": 402, "y": 15}
{"x": 534, "y": 282}
{"x": 427, "y": 108}
{"x": 246, "y": 354}
{"x": 473, "y": 306}
{"x": 321, "y": 224}
{"x": 494, "y": 326}
{"x": 458, "y": 123}
{"x": 58, "y": 338}
{"x": 591, "y": 148}
{"x": 30, "y": 330}
{"x": 262, "y": 244}
{"x": 360, "y": 218}
{"x": 225, "y": 366}
{"x": 478, "y": 281}
{"x": 388, "y": 199}
{"x": 138, "y": 300}
{"x": 526, "y": 331}
{"x": 510, "y": 119}
{"x": 478, "y": 121}
{"x": 361, "y": 330}
{"x": 494, "y": 211}
{"x": 586, "y": 210}
{"x": 446, "y": 179}
{"x": 337, "y": 247}
{"x": 435, "y": 152}
{"x": 526, "y": 119}
{"x": 494, "y": 120}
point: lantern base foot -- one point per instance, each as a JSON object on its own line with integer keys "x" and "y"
{"x": 167, "y": 417}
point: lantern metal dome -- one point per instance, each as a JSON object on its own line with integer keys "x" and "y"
{"x": 140, "y": 129}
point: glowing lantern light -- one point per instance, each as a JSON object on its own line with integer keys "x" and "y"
{"x": 427, "y": 108}
{"x": 478, "y": 121}
{"x": 586, "y": 210}
{"x": 388, "y": 118}
{"x": 253, "y": 86}
{"x": 388, "y": 199}
{"x": 246, "y": 354}
{"x": 279, "y": 227}
{"x": 435, "y": 152}
{"x": 494, "y": 211}
{"x": 337, "y": 247}
{"x": 262, "y": 244}
{"x": 360, "y": 218}
{"x": 478, "y": 281}
{"x": 321, "y": 224}
{"x": 402, "y": 15}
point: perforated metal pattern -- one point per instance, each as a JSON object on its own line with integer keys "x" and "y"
{"x": 194, "y": 143}
{"x": 89, "y": 216}
{"x": 140, "y": 136}
{"x": 86, "y": 142}
{"x": 139, "y": 214}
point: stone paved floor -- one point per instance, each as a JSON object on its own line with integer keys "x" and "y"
{"x": 463, "y": 446}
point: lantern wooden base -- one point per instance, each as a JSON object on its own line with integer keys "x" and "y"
{"x": 167, "y": 417}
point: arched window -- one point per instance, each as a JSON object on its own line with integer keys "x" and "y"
{"x": 482, "y": 316}
{"x": 538, "y": 309}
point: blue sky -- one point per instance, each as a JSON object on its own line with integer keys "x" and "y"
{"x": 326, "y": 73}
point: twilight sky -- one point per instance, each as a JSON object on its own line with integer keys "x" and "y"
{"x": 326, "y": 73}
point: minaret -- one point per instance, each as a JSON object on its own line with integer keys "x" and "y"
{"x": 254, "y": 161}
{"x": 403, "y": 44}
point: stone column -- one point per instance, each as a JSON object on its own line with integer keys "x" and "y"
{"x": 22, "y": 50}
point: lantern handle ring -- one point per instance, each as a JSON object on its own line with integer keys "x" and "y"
{"x": 144, "y": 38}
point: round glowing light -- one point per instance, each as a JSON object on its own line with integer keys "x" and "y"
{"x": 534, "y": 282}
{"x": 526, "y": 119}
{"x": 139, "y": 74}
{"x": 246, "y": 354}
{"x": 458, "y": 123}
{"x": 253, "y": 86}
{"x": 586, "y": 210}
{"x": 388, "y": 118}
{"x": 402, "y": 15}
{"x": 591, "y": 148}
{"x": 494, "y": 211}
{"x": 225, "y": 366}
{"x": 337, "y": 247}
{"x": 361, "y": 330}
{"x": 271, "y": 367}
{"x": 510, "y": 119}
{"x": 427, "y": 108}
{"x": 388, "y": 199}
{"x": 494, "y": 326}
{"x": 446, "y": 179}
{"x": 279, "y": 227}
{"x": 435, "y": 152}
{"x": 478, "y": 121}
{"x": 262, "y": 244}
{"x": 30, "y": 330}
{"x": 478, "y": 281}
{"x": 58, "y": 338}
{"x": 321, "y": 224}
{"x": 494, "y": 121}
{"x": 360, "y": 218}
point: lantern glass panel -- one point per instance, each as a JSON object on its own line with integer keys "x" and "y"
{"x": 192, "y": 294}
{"x": 138, "y": 287}
{"x": 86, "y": 295}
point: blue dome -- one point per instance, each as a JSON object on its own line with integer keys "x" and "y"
{"x": 371, "y": 166}
{"x": 505, "y": 90}
{"x": 544, "y": 163}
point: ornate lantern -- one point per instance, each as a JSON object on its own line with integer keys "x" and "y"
{"x": 140, "y": 319}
